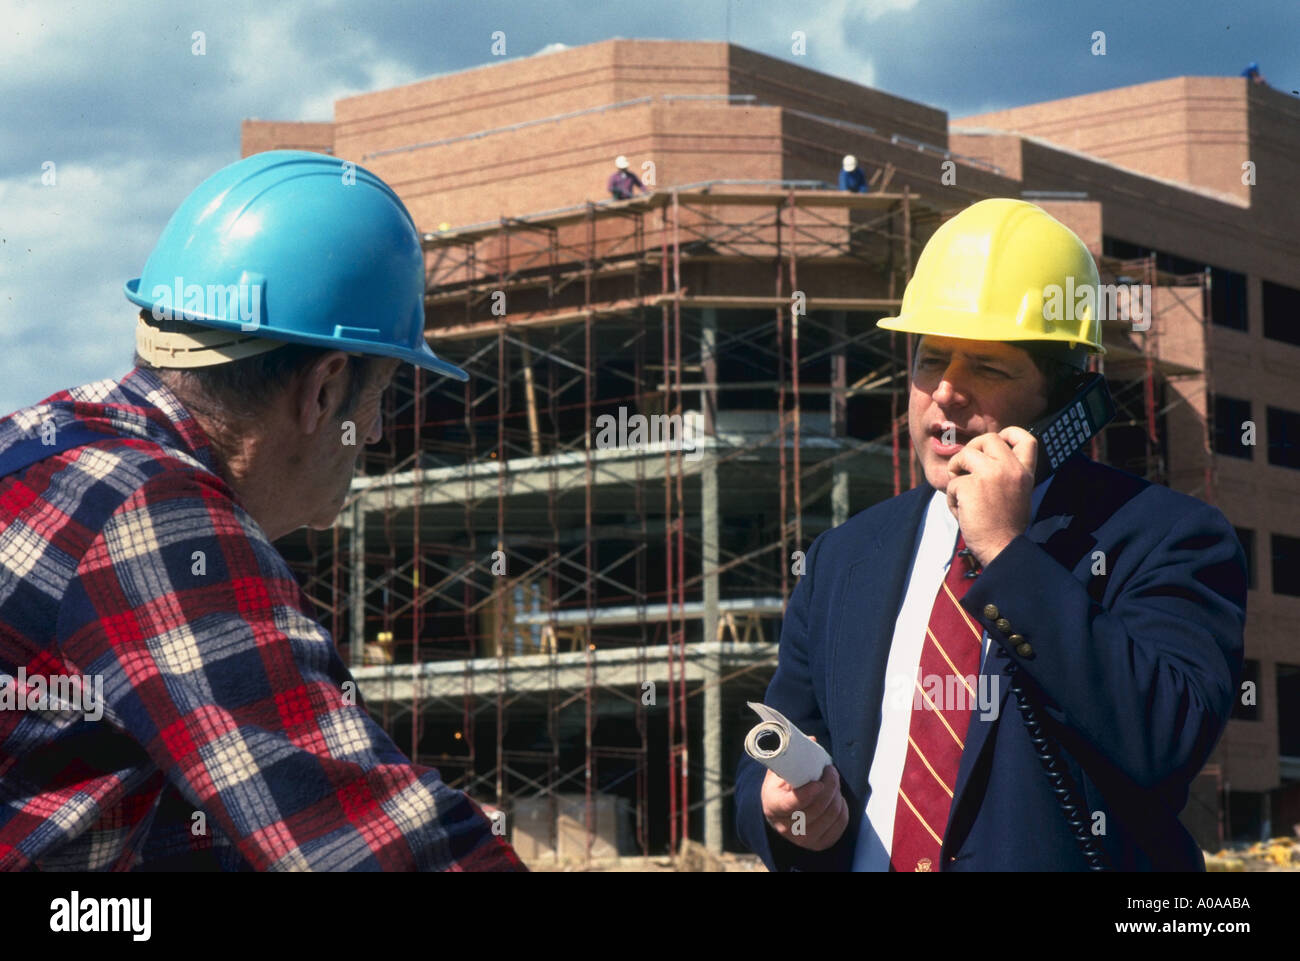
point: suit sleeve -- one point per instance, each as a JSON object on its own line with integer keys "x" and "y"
{"x": 209, "y": 662}
{"x": 792, "y": 693}
{"x": 1149, "y": 681}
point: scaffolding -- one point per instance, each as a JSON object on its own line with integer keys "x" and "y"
{"x": 1149, "y": 383}
{"x": 544, "y": 615}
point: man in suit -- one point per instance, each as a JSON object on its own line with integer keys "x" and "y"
{"x": 1115, "y": 606}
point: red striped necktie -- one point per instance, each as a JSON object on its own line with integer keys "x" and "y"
{"x": 941, "y": 716}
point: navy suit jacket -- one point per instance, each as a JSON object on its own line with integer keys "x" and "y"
{"x": 1135, "y": 671}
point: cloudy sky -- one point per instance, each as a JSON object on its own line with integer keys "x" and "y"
{"x": 112, "y": 96}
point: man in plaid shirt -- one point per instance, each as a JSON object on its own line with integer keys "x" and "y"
{"x": 135, "y": 550}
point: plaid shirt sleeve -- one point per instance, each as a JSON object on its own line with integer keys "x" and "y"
{"x": 208, "y": 660}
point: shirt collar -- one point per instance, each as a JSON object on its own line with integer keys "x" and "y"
{"x": 145, "y": 385}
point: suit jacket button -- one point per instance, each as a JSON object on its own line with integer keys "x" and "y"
{"x": 1017, "y": 638}
{"x": 990, "y": 611}
{"x": 1002, "y": 624}
{"x": 1024, "y": 650}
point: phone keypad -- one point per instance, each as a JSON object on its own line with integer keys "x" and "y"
{"x": 1066, "y": 434}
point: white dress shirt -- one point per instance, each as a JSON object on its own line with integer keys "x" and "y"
{"x": 930, "y": 567}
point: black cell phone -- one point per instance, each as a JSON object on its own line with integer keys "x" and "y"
{"x": 1063, "y": 432}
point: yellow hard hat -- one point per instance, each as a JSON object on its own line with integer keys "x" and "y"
{"x": 1004, "y": 270}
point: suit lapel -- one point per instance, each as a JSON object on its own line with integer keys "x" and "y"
{"x": 864, "y": 631}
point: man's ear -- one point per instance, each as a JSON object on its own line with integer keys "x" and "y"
{"x": 321, "y": 391}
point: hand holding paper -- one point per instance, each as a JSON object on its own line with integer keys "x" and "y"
{"x": 801, "y": 797}
{"x": 784, "y": 749}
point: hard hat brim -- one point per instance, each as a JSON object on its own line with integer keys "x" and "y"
{"x": 344, "y": 339}
{"x": 956, "y": 324}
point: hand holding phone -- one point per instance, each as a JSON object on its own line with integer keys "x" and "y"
{"x": 990, "y": 488}
{"x": 1068, "y": 428}
{"x": 993, "y": 507}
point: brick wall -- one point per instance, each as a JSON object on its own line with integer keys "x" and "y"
{"x": 256, "y": 136}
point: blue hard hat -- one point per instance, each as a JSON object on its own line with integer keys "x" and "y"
{"x": 295, "y": 246}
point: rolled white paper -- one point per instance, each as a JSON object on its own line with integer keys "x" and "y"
{"x": 796, "y": 758}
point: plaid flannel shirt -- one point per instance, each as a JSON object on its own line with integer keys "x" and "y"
{"x": 227, "y": 738}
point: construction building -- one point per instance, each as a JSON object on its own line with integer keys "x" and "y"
{"x": 561, "y": 581}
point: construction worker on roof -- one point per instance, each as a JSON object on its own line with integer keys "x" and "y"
{"x": 140, "y": 576}
{"x": 1102, "y": 612}
{"x": 623, "y": 183}
{"x": 852, "y": 178}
